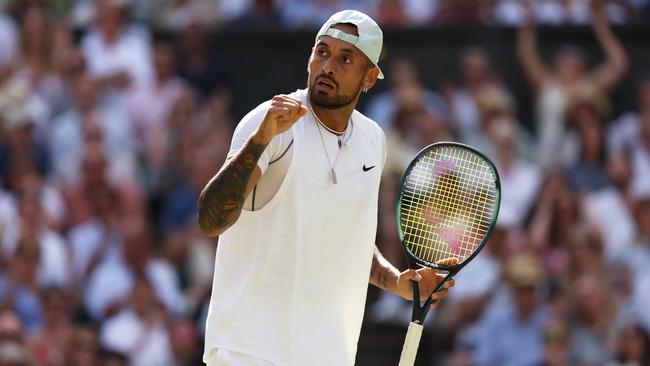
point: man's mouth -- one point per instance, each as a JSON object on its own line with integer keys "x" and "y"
{"x": 325, "y": 84}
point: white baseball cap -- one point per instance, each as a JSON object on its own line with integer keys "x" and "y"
{"x": 369, "y": 40}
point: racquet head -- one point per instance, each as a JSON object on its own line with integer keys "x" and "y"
{"x": 447, "y": 205}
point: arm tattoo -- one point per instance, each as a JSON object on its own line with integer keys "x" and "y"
{"x": 383, "y": 274}
{"x": 222, "y": 199}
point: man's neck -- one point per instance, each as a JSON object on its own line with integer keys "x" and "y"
{"x": 335, "y": 119}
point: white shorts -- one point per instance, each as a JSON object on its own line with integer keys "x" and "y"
{"x": 224, "y": 357}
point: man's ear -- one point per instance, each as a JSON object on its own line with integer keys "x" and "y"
{"x": 372, "y": 74}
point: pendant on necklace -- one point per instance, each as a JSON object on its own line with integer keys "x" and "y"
{"x": 333, "y": 175}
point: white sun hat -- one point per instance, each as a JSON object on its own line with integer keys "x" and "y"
{"x": 370, "y": 38}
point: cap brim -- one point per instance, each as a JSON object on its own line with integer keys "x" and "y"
{"x": 381, "y": 74}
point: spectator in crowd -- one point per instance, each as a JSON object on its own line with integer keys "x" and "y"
{"x": 12, "y": 354}
{"x": 19, "y": 287}
{"x": 52, "y": 269}
{"x": 609, "y": 208}
{"x": 184, "y": 343}
{"x": 515, "y": 320}
{"x": 587, "y": 110}
{"x": 466, "y": 306}
{"x": 202, "y": 68}
{"x": 82, "y": 347}
{"x": 630, "y": 133}
{"x": 9, "y": 39}
{"x": 139, "y": 331}
{"x": 636, "y": 256}
{"x": 557, "y": 343}
{"x": 591, "y": 321}
{"x": 176, "y": 15}
{"x": 632, "y": 346}
{"x": 512, "y": 12}
{"x": 477, "y": 75}
{"x": 624, "y": 132}
{"x": 10, "y": 327}
{"x": 405, "y": 91}
{"x": 96, "y": 238}
{"x": 86, "y": 119}
{"x": 19, "y": 124}
{"x": 462, "y": 12}
{"x": 312, "y": 14}
{"x": 95, "y": 178}
{"x": 261, "y": 14}
{"x": 48, "y": 345}
{"x": 36, "y": 60}
{"x": 23, "y": 175}
{"x": 552, "y": 86}
{"x": 171, "y": 144}
{"x": 492, "y": 104}
{"x": 150, "y": 104}
{"x": 110, "y": 284}
{"x": 118, "y": 53}
{"x": 520, "y": 179}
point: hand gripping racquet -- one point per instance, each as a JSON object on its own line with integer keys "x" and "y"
{"x": 446, "y": 209}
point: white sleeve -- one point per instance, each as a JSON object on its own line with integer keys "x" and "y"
{"x": 245, "y": 129}
{"x": 384, "y": 153}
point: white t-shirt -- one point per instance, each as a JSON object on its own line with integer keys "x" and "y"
{"x": 274, "y": 161}
{"x": 291, "y": 278}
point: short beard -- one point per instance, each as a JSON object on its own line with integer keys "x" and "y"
{"x": 332, "y": 102}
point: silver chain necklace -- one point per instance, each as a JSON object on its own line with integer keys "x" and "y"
{"x": 322, "y": 140}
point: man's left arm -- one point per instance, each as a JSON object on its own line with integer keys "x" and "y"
{"x": 385, "y": 276}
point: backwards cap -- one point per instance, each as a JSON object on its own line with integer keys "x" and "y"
{"x": 369, "y": 40}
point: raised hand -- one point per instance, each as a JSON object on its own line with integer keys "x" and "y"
{"x": 282, "y": 113}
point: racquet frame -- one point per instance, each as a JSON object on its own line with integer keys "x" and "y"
{"x": 420, "y": 310}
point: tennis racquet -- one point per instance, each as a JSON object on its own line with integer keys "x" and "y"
{"x": 446, "y": 209}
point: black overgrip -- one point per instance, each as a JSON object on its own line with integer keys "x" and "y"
{"x": 421, "y": 311}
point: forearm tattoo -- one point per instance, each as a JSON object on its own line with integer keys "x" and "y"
{"x": 383, "y": 274}
{"x": 222, "y": 199}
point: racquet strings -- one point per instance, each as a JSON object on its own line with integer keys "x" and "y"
{"x": 447, "y": 204}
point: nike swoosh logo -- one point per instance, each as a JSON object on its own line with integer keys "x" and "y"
{"x": 366, "y": 169}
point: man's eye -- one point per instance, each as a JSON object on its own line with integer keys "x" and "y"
{"x": 347, "y": 60}
{"x": 322, "y": 53}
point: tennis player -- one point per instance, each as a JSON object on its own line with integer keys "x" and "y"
{"x": 295, "y": 206}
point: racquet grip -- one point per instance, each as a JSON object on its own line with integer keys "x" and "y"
{"x": 411, "y": 343}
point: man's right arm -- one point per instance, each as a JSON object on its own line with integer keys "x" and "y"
{"x": 222, "y": 199}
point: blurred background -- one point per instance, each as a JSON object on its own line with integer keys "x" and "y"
{"x": 115, "y": 113}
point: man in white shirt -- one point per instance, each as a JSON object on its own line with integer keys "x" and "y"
{"x": 298, "y": 198}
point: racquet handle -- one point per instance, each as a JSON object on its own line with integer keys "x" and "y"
{"x": 411, "y": 343}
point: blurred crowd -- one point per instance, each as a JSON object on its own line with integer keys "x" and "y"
{"x": 565, "y": 277}
{"x": 174, "y": 15}
{"x": 108, "y": 134}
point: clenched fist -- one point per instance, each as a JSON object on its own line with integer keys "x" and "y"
{"x": 282, "y": 113}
